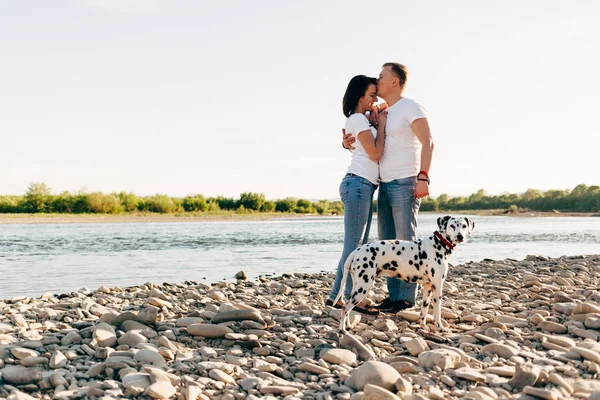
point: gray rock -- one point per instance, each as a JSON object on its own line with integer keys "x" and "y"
{"x": 17, "y": 375}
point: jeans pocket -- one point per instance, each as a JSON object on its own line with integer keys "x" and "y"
{"x": 344, "y": 189}
{"x": 365, "y": 187}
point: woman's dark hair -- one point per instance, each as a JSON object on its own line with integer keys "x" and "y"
{"x": 356, "y": 89}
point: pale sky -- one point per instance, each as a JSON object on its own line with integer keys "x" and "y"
{"x": 225, "y": 97}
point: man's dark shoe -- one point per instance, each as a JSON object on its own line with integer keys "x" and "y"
{"x": 385, "y": 305}
{"x": 390, "y": 306}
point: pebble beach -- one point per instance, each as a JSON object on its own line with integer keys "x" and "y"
{"x": 518, "y": 329}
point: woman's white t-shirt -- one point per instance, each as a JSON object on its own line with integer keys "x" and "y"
{"x": 402, "y": 152}
{"x": 361, "y": 164}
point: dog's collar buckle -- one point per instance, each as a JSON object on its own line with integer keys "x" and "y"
{"x": 444, "y": 241}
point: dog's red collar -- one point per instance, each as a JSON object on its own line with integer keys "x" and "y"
{"x": 444, "y": 241}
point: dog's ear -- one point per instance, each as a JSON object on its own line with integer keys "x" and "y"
{"x": 443, "y": 222}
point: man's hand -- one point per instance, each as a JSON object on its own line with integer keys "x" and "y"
{"x": 421, "y": 190}
{"x": 348, "y": 140}
{"x": 374, "y": 116}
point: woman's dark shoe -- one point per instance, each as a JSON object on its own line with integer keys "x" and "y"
{"x": 390, "y": 306}
{"x": 366, "y": 310}
{"x": 329, "y": 303}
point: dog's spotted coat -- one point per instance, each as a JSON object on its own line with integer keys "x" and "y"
{"x": 423, "y": 261}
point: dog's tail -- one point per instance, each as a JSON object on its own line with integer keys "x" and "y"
{"x": 344, "y": 276}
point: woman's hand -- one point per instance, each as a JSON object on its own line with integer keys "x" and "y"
{"x": 382, "y": 118}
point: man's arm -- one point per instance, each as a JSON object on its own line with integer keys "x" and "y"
{"x": 421, "y": 129}
{"x": 347, "y": 140}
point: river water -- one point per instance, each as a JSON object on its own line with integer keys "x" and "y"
{"x": 36, "y": 258}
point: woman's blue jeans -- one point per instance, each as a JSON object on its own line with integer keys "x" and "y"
{"x": 357, "y": 195}
{"x": 397, "y": 211}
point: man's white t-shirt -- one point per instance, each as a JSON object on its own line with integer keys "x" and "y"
{"x": 402, "y": 152}
{"x": 361, "y": 164}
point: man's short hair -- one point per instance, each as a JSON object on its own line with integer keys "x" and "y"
{"x": 399, "y": 70}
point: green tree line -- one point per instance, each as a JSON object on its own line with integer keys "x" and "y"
{"x": 582, "y": 198}
{"x": 40, "y": 199}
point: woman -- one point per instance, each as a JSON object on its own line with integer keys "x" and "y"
{"x": 360, "y": 182}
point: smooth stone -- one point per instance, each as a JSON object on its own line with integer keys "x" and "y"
{"x": 187, "y": 321}
{"x": 279, "y": 390}
{"x": 138, "y": 380}
{"x": 502, "y": 350}
{"x": 105, "y": 335}
{"x": 147, "y": 356}
{"x": 160, "y": 390}
{"x": 373, "y": 372}
{"x": 313, "y": 368}
{"x": 148, "y": 315}
{"x": 21, "y": 353}
{"x": 241, "y": 275}
{"x": 6, "y": 328}
{"x": 58, "y": 360}
{"x": 57, "y": 379}
{"x": 592, "y": 323}
{"x": 403, "y": 386}
{"x": 552, "y": 327}
{"x": 18, "y": 375}
{"x": 470, "y": 374}
{"x": 132, "y": 339}
{"x": 541, "y": 393}
{"x": 33, "y": 361}
{"x": 220, "y": 376}
{"x": 441, "y": 358}
{"x": 586, "y": 385}
{"x": 352, "y": 343}
{"x": 404, "y": 367}
{"x": 207, "y": 330}
{"x": 506, "y": 319}
{"x": 587, "y": 308}
{"x": 525, "y": 375}
{"x": 134, "y": 326}
{"x": 506, "y": 371}
{"x": 588, "y": 354}
{"x": 338, "y": 356}
{"x": 416, "y": 346}
{"x": 373, "y": 392}
{"x": 71, "y": 338}
{"x": 236, "y": 315}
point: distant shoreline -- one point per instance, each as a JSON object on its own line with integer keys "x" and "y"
{"x": 6, "y": 219}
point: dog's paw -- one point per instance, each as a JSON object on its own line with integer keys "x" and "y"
{"x": 424, "y": 326}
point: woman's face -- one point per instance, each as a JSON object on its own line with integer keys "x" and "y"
{"x": 370, "y": 97}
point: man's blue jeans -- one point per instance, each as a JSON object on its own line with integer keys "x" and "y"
{"x": 357, "y": 195}
{"x": 397, "y": 211}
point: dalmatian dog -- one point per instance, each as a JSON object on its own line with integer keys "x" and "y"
{"x": 423, "y": 261}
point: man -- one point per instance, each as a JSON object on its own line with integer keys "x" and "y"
{"x": 403, "y": 173}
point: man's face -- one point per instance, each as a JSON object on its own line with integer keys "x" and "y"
{"x": 385, "y": 82}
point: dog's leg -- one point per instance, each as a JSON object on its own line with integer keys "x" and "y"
{"x": 437, "y": 306}
{"x": 426, "y": 298}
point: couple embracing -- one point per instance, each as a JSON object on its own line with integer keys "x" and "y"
{"x": 392, "y": 149}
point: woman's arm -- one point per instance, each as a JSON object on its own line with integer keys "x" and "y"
{"x": 374, "y": 147}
